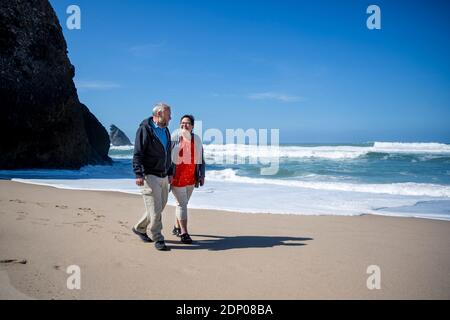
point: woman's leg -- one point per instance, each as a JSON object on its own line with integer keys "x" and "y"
{"x": 183, "y": 226}
{"x": 183, "y": 223}
{"x": 182, "y": 195}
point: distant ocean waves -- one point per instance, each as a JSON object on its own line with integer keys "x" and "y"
{"x": 426, "y": 150}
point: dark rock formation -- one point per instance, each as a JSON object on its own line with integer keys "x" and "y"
{"x": 118, "y": 137}
{"x": 42, "y": 123}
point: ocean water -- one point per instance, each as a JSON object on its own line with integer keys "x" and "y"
{"x": 384, "y": 178}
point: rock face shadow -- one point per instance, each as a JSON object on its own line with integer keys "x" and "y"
{"x": 218, "y": 243}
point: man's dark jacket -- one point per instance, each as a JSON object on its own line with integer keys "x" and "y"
{"x": 150, "y": 156}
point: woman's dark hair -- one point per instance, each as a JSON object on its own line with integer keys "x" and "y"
{"x": 190, "y": 116}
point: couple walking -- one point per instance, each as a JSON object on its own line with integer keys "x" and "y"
{"x": 160, "y": 159}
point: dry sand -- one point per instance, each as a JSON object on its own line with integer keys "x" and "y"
{"x": 45, "y": 230}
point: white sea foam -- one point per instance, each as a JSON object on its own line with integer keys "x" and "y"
{"x": 121, "y": 156}
{"x": 121, "y": 148}
{"x": 418, "y": 147}
{"x": 253, "y": 151}
{"x": 214, "y": 151}
{"x": 406, "y": 189}
{"x": 115, "y": 185}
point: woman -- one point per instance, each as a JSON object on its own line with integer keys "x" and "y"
{"x": 189, "y": 172}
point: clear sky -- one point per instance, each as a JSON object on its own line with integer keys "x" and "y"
{"x": 310, "y": 68}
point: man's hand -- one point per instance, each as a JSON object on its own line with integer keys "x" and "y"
{"x": 140, "y": 182}
{"x": 170, "y": 179}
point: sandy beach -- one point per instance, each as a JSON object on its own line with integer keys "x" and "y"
{"x": 45, "y": 230}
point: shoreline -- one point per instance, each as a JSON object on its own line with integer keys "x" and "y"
{"x": 391, "y": 214}
{"x": 235, "y": 255}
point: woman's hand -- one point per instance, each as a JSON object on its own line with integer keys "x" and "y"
{"x": 186, "y": 134}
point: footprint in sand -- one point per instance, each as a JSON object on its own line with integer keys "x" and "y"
{"x": 123, "y": 224}
{"x": 22, "y": 215}
{"x": 86, "y": 210}
{"x": 61, "y": 206}
{"x": 98, "y": 217}
{"x": 17, "y": 201}
{"x": 122, "y": 234}
{"x": 14, "y": 261}
{"x": 118, "y": 238}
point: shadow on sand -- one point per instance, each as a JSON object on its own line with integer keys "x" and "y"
{"x": 216, "y": 243}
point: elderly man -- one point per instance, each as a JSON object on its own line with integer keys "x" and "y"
{"x": 152, "y": 166}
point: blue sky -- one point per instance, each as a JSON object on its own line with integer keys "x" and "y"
{"x": 310, "y": 68}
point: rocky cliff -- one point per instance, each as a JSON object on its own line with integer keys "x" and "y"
{"x": 43, "y": 124}
{"x": 118, "y": 137}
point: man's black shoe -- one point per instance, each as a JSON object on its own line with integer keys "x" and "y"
{"x": 144, "y": 237}
{"x": 161, "y": 246}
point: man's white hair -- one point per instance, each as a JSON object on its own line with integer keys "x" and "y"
{"x": 160, "y": 107}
